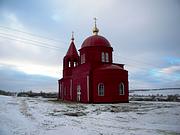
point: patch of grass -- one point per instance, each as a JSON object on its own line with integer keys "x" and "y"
{"x": 75, "y": 114}
{"x": 55, "y": 100}
{"x": 165, "y": 132}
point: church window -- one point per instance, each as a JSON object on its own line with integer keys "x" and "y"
{"x": 121, "y": 88}
{"x": 82, "y": 58}
{"x": 74, "y": 64}
{"x": 69, "y": 64}
{"x": 102, "y": 57}
{"x": 107, "y": 57}
{"x": 100, "y": 89}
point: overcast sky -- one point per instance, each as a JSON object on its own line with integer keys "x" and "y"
{"x": 35, "y": 35}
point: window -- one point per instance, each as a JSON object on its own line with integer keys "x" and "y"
{"x": 82, "y": 58}
{"x": 121, "y": 89}
{"x": 107, "y": 57}
{"x": 100, "y": 89}
{"x": 102, "y": 57}
{"x": 74, "y": 64}
{"x": 69, "y": 64}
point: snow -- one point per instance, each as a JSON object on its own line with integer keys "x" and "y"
{"x": 40, "y": 116}
{"x": 155, "y": 92}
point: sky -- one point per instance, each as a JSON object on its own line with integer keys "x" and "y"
{"x": 35, "y": 36}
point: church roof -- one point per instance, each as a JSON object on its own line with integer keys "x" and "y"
{"x": 109, "y": 67}
{"x": 96, "y": 40}
{"x": 72, "y": 50}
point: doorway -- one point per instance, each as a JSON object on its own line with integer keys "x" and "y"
{"x": 78, "y": 93}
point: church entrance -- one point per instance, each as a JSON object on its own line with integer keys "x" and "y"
{"x": 78, "y": 93}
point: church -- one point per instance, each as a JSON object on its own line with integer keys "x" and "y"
{"x": 90, "y": 76}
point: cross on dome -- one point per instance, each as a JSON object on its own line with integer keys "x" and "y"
{"x": 95, "y": 19}
{"x": 95, "y": 29}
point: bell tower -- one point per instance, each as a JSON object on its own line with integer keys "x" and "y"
{"x": 71, "y": 60}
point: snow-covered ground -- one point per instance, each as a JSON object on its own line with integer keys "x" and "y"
{"x": 155, "y": 92}
{"x": 39, "y": 116}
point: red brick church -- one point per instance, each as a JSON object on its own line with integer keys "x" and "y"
{"x": 90, "y": 76}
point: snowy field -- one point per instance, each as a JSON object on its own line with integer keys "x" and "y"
{"x": 39, "y": 116}
{"x": 155, "y": 92}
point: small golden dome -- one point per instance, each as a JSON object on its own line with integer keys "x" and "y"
{"x": 95, "y": 29}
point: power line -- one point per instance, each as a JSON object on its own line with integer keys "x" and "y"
{"x": 32, "y": 34}
{"x": 145, "y": 70}
{"x": 30, "y": 40}
{"x": 46, "y": 45}
{"x": 34, "y": 44}
{"x": 142, "y": 68}
{"x": 55, "y": 48}
{"x": 138, "y": 65}
{"x": 136, "y": 61}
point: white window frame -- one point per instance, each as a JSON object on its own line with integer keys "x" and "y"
{"x": 102, "y": 57}
{"x": 121, "y": 89}
{"x": 69, "y": 63}
{"x": 107, "y": 57}
{"x": 74, "y": 64}
{"x": 101, "y": 89}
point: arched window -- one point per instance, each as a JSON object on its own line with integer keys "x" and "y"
{"x": 74, "y": 64}
{"x": 69, "y": 63}
{"x": 121, "y": 88}
{"x": 82, "y": 58}
{"x": 107, "y": 57}
{"x": 102, "y": 57}
{"x": 100, "y": 89}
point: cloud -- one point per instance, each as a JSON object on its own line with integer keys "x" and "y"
{"x": 143, "y": 34}
{"x": 171, "y": 70}
{"x": 14, "y": 80}
{"x": 153, "y": 78}
{"x": 27, "y": 52}
{"x": 172, "y": 60}
{"x": 33, "y": 69}
{"x": 12, "y": 20}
